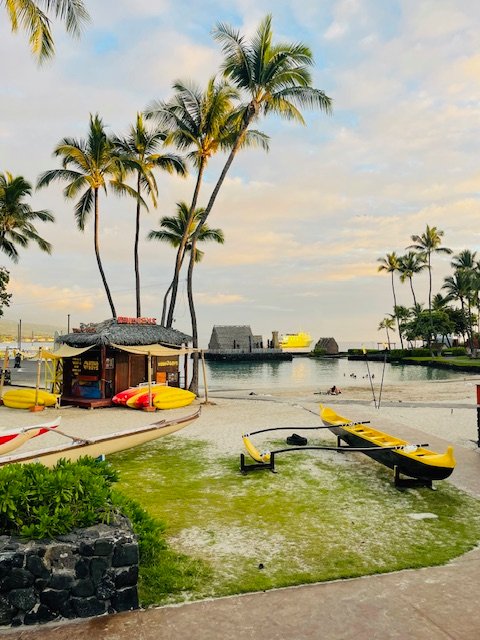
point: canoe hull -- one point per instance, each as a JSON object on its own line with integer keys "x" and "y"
{"x": 102, "y": 445}
{"x": 422, "y": 464}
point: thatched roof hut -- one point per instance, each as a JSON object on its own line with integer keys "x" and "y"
{"x": 231, "y": 337}
{"x": 112, "y": 332}
{"x": 328, "y": 345}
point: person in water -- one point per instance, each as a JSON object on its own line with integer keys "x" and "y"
{"x": 334, "y": 391}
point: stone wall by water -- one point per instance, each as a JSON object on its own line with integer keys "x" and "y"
{"x": 89, "y": 572}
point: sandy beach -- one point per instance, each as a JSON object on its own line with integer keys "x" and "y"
{"x": 446, "y": 409}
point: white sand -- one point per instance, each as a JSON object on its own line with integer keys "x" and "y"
{"x": 446, "y": 409}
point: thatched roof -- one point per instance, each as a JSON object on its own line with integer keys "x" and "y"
{"x": 110, "y": 332}
{"x": 230, "y": 337}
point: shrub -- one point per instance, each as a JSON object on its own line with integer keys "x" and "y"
{"x": 38, "y": 502}
{"x": 457, "y": 351}
{"x": 319, "y": 352}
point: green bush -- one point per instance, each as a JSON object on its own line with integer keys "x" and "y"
{"x": 420, "y": 353}
{"x": 37, "y": 502}
{"x": 319, "y": 352}
{"x": 456, "y": 351}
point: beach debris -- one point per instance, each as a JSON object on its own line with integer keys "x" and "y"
{"x": 422, "y": 516}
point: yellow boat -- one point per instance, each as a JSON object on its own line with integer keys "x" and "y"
{"x": 26, "y": 398}
{"x": 411, "y": 460}
{"x": 295, "y": 340}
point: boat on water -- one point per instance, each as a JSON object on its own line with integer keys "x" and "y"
{"x": 408, "y": 459}
{"x": 96, "y": 446}
{"x": 10, "y": 440}
{"x": 295, "y": 340}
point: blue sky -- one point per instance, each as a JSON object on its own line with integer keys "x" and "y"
{"x": 305, "y": 223}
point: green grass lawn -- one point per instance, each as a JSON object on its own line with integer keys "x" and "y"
{"x": 323, "y": 516}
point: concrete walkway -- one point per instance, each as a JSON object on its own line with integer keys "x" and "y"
{"x": 428, "y": 604}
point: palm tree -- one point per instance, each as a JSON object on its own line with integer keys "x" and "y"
{"x": 198, "y": 123}
{"x": 426, "y": 244}
{"x": 33, "y": 17}
{"x": 275, "y": 79}
{"x": 140, "y": 148}
{"x": 409, "y": 265}
{"x": 389, "y": 325}
{"x": 460, "y": 287}
{"x": 174, "y": 228}
{"x": 17, "y": 217}
{"x": 390, "y": 264}
{"x": 96, "y": 164}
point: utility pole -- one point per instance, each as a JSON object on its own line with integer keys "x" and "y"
{"x": 20, "y": 335}
{"x": 68, "y": 323}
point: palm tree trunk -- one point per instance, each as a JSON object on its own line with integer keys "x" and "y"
{"x": 164, "y": 307}
{"x": 194, "y": 381}
{"x": 430, "y": 302}
{"x": 135, "y": 249}
{"x": 202, "y": 219}
{"x": 97, "y": 255}
{"x": 413, "y": 292}
{"x": 395, "y": 311}
{"x": 181, "y": 249}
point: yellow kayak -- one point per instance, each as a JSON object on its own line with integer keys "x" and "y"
{"x": 25, "y": 398}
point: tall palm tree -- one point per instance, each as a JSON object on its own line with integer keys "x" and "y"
{"x": 275, "y": 78}
{"x": 426, "y": 244}
{"x": 89, "y": 165}
{"x": 198, "y": 123}
{"x": 140, "y": 148}
{"x": 460, "y": 287}
{"x": 173, "y": 229}
{"x": 17, "y": 217}
{"x": 34, "y": 18}
{"x": 389, "y": 325}
{"x": 409, "y": 265}
{"x": 390, "y": 264}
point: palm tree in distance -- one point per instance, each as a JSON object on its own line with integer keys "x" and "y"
{"x": 274, "y": 78}
{"x": 141, "y": 147}
{"x": 33, "y": 17}
{"x": 389, "y": 325}
{"x": 426, "y": 244}
{"x": 409, "y": 265}
{"x": 89, "y": 165}
{"x": 173, "y": 230}
{"x": 390, "y": 264}
{"x": 17, "y": 217}
{"x": 199, "y": 124}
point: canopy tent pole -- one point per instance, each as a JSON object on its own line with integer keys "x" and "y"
{"x": 149, "y": 373}
{"x": 36, "y": 406}
{"x": 204, "y": 376}
{"x": 5, "y": 367}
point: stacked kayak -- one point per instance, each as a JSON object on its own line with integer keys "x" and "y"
{"x": 162, "y": 397}
{"x": 25, "y": 398}
{"x": 123, "y": 397}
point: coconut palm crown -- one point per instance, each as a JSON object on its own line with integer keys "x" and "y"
{"x": 17, "y": 217}
{"x": 140, "y": 151}
{"x": 33, "y": 16}
{"x": 90, "y": 165}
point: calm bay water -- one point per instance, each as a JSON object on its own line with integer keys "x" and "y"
{"x": 320, "y": 373}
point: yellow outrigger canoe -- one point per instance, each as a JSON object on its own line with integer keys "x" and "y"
{"x": 410, "y": 460}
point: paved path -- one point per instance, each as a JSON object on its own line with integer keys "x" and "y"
{"x": 436, "y": 603}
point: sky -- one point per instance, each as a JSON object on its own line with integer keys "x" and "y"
{"x": 305, "y": 223}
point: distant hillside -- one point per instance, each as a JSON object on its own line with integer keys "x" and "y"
{"x": 44, "y": 330}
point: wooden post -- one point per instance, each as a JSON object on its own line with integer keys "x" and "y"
{"x": 149, "y": 373}
{"x": 36, "y": 406}
{"x": 103, "y": 365}
{"x": 478, "y": 415}
{"x": 204, "y": 377}
{"x": 2, "y": 377}
{"x": 185, "y": 371}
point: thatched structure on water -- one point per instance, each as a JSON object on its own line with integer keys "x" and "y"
{"x": 237, "y": 342}
{"x": 327, "y": 345}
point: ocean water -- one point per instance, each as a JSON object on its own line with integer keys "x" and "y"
{"x": 314, "y": 372}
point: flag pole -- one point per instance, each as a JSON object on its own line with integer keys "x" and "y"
{"x": 370, "y": 377}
